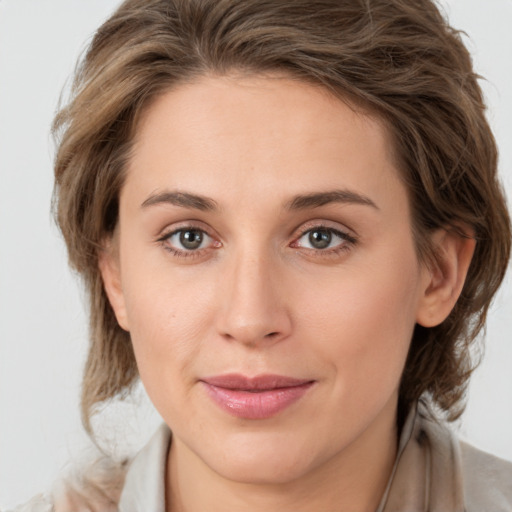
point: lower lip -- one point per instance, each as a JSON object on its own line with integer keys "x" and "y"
{"x": 256, "y": 405}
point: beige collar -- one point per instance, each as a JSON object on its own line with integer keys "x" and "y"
{"x": 427, "y": 475}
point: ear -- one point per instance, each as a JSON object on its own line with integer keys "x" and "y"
{"x": 444, "y": 279}
{"x": 110, "y": 269}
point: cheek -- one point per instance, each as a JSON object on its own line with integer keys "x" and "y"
{"x": 361, "y": 323}
{"x": 169, "y": 314}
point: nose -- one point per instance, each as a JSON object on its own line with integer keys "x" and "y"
{"x": 253, "y": 307}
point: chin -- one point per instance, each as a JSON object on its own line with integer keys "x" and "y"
{"x": 268, "y": 459}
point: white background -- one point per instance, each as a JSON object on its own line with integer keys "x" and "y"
{"x": 43, "y": 331}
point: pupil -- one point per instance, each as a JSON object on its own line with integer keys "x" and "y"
{"x": 191, "y": 239}
{"x": 320, "y": 239}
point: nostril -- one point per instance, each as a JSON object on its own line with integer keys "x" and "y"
{"x": 271, "y": 334}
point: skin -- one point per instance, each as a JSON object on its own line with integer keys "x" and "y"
{"x": 257, "y": 297}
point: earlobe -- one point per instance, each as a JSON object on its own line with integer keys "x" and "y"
{"x": 109, "y": 266}
{"x": 444, "y": 279}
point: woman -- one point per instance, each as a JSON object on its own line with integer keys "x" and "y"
{"x": 288, "y": 219}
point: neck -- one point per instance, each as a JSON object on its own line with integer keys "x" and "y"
{"x": 354, "y": 479}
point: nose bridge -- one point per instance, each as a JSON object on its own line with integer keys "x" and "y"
{"x": 253, "y": 310}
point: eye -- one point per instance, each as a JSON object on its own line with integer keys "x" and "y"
{"x": 187, "y": 240}
{"x": 323, "y": 238}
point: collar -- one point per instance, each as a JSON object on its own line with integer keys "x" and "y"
{"x": 144, "y": 487}
{"x": 426, "y": 474}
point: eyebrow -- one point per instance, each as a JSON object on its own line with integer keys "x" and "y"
{"x": 299, "y": 202}
{"x": 317, "y": 199}
{"x": 183, "y": 199}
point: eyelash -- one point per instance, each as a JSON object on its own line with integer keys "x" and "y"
{"x": 348, "y": 241}
{"x": 164, "y": 241}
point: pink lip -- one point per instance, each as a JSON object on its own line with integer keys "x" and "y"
{"x": 255, "y": 398}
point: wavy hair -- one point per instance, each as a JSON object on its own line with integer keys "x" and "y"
{"x": 398, "y": 59}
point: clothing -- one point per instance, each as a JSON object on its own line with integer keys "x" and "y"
{"x": 434, "y": 472}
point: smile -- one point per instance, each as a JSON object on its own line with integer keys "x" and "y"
{"x": 255, "y": 398}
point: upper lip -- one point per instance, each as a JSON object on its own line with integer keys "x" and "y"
{"x": 256, "y": 383}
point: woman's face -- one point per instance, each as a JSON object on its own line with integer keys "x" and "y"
{"x": 266, "y": 271}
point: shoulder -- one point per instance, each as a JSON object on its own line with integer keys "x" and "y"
{"x": 460, "y": 474}
{"x": 101, "y": 486}
{"x": 96, "y": 488}
{"x": 39, "y": 503}
{"x": 487, "y": 480}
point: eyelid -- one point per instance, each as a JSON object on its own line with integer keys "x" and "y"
{"x": 344, "y": 237}
{"x": 325, "y": 224}
{"x": 347, "y": 236}
{"x": 181, "y": 225}
{"x": 169, "y": 231}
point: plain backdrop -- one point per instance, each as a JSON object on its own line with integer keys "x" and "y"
{"x": 43, "y": 331}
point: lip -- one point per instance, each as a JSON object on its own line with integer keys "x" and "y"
{"x": 255, "y": 398}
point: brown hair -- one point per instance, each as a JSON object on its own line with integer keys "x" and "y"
{"x": 397, "y": 58}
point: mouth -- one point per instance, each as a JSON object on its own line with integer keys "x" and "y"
{"x": 255, "y": 398}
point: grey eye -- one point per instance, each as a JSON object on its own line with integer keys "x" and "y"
{"x": 191, "y": 239}
{"x": 320, "y": 238}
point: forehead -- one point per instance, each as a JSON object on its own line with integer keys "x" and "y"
{"x": 259, "y": 136}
